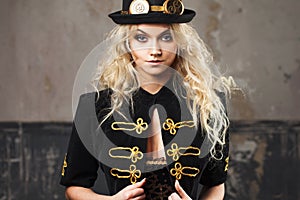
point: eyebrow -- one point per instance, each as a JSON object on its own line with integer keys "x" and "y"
{"x": 162, "y": 33}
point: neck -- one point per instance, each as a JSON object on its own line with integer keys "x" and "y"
{"x": 154, "y": 84}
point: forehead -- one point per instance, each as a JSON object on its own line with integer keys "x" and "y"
{"x": 153, "y": 29}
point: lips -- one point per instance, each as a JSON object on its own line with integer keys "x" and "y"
{"x": 155, "y": 61}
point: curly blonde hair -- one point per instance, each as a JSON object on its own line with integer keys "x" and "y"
{"x": 194, "y": 63}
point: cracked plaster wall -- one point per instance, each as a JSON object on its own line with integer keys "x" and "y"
{"x": 43, "y": 43}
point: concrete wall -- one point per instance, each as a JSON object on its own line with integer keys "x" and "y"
{"x": 44, "y": 42}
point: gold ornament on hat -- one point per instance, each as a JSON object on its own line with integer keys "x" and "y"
{"x": 173, "y": 7}
{"x": 139, "y": 7}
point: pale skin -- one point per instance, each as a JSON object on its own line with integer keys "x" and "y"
{"x": 153, "y": 50}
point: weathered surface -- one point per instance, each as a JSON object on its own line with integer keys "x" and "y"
{"x": 264, "y": 162}
{"x": 31, "y": 157}
{"x": 43, "y": 43}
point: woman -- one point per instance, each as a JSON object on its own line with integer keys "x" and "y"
{"x": 159, "y": 106}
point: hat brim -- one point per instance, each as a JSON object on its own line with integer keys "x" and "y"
{"x": 152, "y": 18}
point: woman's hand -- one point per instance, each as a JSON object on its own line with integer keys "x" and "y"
{"x": 132, "y": 192}
{"x": 181, "y": 193}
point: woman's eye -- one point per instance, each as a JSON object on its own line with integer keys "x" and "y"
{"x": 167, "y": 37}
{"x": 141, "y": 38}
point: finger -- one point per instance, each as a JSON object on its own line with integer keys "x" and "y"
{"x": 134, "y": 193}
{"x": 137, "y": 185}
{"x": 138, "y": 192}
{"x": 174, "y": 196}
{"x": 141, "y": 197}
{"x": 180, "y": 191}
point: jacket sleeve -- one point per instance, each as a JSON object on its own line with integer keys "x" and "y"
{"x": 80, "y": 167}
{"x": 215, "y": 171}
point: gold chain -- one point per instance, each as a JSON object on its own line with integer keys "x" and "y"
{"x": 134, "y": 156}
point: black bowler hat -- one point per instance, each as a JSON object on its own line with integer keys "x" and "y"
{"x": 152, "y": 11}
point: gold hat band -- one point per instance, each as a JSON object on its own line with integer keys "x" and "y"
{"x": 157, "y": 8}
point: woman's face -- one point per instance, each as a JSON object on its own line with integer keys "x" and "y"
{"x": 153, "y": 49}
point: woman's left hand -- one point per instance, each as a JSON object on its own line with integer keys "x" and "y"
{"x": 181, "y": 193}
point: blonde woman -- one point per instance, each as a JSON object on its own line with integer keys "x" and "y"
{"x": 160, "y": 104}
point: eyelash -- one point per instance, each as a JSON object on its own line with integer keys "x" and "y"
{"x": 142, "y": 38}
{"x": 169, "y": 37}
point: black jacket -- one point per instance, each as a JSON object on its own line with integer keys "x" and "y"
{"x": 119, "y": 146}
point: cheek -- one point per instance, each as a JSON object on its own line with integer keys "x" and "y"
{"x": 169, "y": 49}
{"x": 172, "y": 58}
{"x": 170, "y": 52}
{"x": 136, "y": 55}
{"x": 139, "y": 55}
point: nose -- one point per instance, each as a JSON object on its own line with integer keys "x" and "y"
{"x": 155, "y": 49}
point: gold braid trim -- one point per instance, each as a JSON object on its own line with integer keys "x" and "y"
{"x": 64, "y": 166}
{"x": 132, "y": 173}
{"x": 178, "y": 171}
{"x": 169, "y": 125}
{"x": 139, "y": 126}
{"x": 226, "y": 166}
{"x": 134, "y": 156}
{"x": 187, "y": 151}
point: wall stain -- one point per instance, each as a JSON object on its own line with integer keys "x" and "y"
{"x": 96, "y": 8}
{"x": 214, "y": 6}
{"x": 48, "y": 86}
{"x": 286, "y": 76}
{"x": 240, "y": 104}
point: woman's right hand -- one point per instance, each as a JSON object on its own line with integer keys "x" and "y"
{"x": 132, "y": 192}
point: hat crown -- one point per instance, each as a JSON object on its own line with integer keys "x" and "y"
{"x": 152, "y": 11}
{"x": 126, "y": 3}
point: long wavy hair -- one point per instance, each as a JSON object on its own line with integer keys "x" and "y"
{"x": 193, "y": 62}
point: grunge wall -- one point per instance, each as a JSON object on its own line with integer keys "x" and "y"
{"x": 43, "y": 43}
